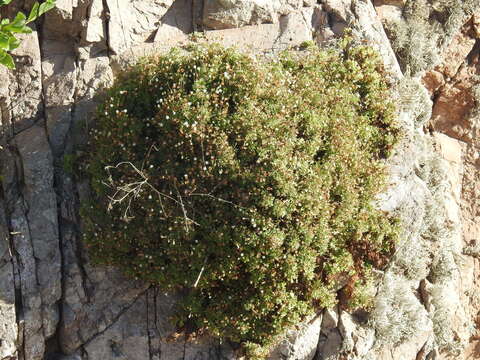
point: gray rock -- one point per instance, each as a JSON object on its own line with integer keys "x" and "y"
{"x": 301, "y": 342}
{"x": 30, "y": 318}
{"x": 295, "y": 28}
{"x": 40, "y": 200}
{"x": 141, "y": 332}
{"x": 134, "y": 22}
{"x": 225, "y": 14}
{"x": 330, "y": 340}
{"x": 25, "y": 88}
{"x": 361, "y": 16}
{"x": 94, "y": 299}
{"x": 369, "y": 27}
{"x": 8, "y": 324}
{"x": 234, "y": 13}
{"x": 70, "y": 357}
{"x": 95, "y": 29}
{"x": 358, "y": 339}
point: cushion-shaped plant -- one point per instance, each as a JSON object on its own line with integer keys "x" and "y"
{"x": 247, "y": 185}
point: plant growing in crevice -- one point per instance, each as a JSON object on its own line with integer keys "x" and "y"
{"x": 397, "y": 314}
{"x": 9, "y": 29}
{"x": 426, "y": 26}
{"x": 246, "y": 185}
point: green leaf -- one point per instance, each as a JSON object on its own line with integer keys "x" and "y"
{"x": 18, "y": 29}
{"x": 8, "y": 42}
{"x": 13, "y": 43}
{"x": 19, "y": 19}
{"x": 6, "y": 59}
{"x": 17, "y": 25}
{"x": 33, "y": 13}
{"x": 4, "y": 41}
{"x": 40, "y": 9}
{"x": 46, "y": 6}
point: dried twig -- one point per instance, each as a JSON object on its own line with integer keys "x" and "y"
{"x": 132, "y": 190}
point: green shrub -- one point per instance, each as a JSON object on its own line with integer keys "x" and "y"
{"x": 247, "y": 186}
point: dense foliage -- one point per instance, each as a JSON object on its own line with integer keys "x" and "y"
{"x": 8, "y": 29}
{"x": 246, "y": 185}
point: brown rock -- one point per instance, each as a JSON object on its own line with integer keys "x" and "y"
{"x": 451, "y": 149}
{"x": 452, "y": 84}
{"x": 452, "y": 108}
{"x": 458, "y": 50}
{"x": 476, "y": 25}
{"x": 433, "y": 80}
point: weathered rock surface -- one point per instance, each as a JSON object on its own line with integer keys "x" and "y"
{"x": 236, "y": 13}
{"x": 454, "y": 86}
{"x": 55, "y": 304}
{"x": 300, "y": 343}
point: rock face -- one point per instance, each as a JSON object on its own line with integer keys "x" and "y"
{"x": 55, "y": 304}
{"x": 455, "y": 84}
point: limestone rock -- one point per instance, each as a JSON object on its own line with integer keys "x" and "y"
{"x": 142, "y": 330}
{"x": 358, "y": 339}
{"x": 224, "y": 14}
{"x": 369, "y": 27}
{"x": 8, "y": 324}
{"x": 300, "y": 343}
{"x": 40, "y": 199}
{"x": 453, "y": 84}
{"x": 31, "y": 322}
{"x": 232, "y": 14}
{"x": 330, "y": 342}
{"x": 455, "y": 120}
{"x": 389, "y": 13}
